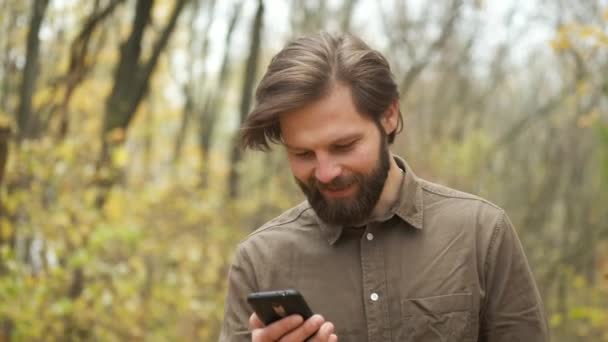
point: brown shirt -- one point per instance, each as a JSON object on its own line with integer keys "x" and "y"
{"x": 447, "y": 266}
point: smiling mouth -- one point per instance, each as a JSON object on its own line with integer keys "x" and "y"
{"x": 336, "y": 193}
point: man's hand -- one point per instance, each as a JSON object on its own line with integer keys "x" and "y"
{"x": 292, "y": 329}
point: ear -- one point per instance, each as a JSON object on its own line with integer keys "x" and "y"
{"x": 390, "y": 119}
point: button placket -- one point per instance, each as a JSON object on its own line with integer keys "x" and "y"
{"x": 374, "y": 286}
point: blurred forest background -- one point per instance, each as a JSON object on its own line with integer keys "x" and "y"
{"x": 123, "y": 193}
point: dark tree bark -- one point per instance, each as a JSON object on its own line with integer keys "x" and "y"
{"x": 128, "y": 78}
{"x": 192, "y": 88}
{"x": 547, "y": 108}
{"x": 23, "y": 116}
{"x": 8, "y": 65}
{"x": 30, "y": 71}
{"x": 79, "y": 67}
{"x": 308, "y": 16}
{"x": 131, "y": 81}
{"x": 209, "y": 114}
{"x": 187, "y": 113}
{"x": 247, "y": 96}
{"x": 447, "y": 29}
{"x": 5, "y": 133}
{"x": 521, "y": 126}
{"x": 347, "y": 14}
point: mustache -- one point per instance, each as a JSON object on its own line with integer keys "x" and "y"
{"x": 338, "y": 183}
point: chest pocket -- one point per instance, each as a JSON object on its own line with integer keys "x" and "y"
{"x": 440, "y": 318}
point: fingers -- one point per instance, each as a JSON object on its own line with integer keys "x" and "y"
{"x": 274, "y": 331}
{"x": 255, "y": 322}
{"x": 325, "y": 333}
{"x": 305, "y": 330}
{"x": 292, "y": 329}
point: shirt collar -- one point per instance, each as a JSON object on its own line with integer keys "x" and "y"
{"x": 408, "y": 207}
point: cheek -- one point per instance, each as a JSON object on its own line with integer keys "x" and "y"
{"x": 363, "y": 159}
{"x": 300, "y": 169}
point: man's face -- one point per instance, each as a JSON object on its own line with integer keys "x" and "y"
{"x": 338, "y": 157}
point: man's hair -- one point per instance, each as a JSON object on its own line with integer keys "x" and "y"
{"x": 305, "y": 70}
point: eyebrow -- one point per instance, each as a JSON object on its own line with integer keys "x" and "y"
{"x": 342, "y": 140}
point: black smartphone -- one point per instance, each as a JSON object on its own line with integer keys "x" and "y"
{"x": 271, "y": 306}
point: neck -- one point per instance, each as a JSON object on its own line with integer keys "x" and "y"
{"x": 390, "y": 191}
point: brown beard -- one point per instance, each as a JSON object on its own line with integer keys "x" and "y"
{"x": 349, "y": 211}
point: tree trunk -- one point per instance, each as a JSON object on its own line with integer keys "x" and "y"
{"x": 447, "y": 29}
{"x": 79, "y": 65}
{"x": 209, "y": 114}
{"x": 347, "y": 14}
{"x": 8, "y": 62}
{"x": 247, "y": 95}
{"x": 30, "y": 71}
{"x": 192, "y": 87}
{"x": 131, "y": 81}
{"x": 5, "y": 133}
{"x": 122, "y": 102}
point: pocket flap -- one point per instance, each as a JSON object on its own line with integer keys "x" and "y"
{"x": 437, "y": 304}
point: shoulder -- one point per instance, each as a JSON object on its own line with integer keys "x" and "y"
{"x": 276, "y": 241}
{"x": 461, "y": 211}
{"x": 295, "y": 223}
{"x": 451, "y": 213}
{"x": 436, "y": 195}
{"x": 302, "y": 214}
{"x": 436, "y": 192}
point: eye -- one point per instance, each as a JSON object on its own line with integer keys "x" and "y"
{"x": 303, "y": 155}
{"x": 344, "y": 147}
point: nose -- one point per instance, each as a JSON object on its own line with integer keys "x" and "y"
{"x": 327, "y": 169}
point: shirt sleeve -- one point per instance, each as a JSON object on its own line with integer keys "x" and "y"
{"x": 241, "y": 281}
{"x": 513, "y": 309}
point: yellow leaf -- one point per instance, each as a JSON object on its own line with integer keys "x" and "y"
{"x": 556, "y": 320}
{"x": 589, "y": 119}
{"x": 561, "y": 43}
{"x": 603, "y": 39}
{"x": 582, "y": 88}
{"x": 44, "y": 96}
{"x": 117, "y": 135}
{"x": 114, "y": 207}
{"x": 61, "y": 219}
{"x": 579, "y": 282}
{"x": 587, "y": 31}
{"x": 6, "y": 120}
{"x": 120, "y": 156}
{"x": 66, "y": 151}
{"x": 6, "y": 229}
{"x": 90, "y": 196}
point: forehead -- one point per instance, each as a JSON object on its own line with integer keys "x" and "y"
{"x": 324, "y": 121}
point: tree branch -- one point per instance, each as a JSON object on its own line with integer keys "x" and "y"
{"x": 419, "y": 65}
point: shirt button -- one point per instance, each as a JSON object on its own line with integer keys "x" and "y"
{"x": 370, "y": 236}
{"x": 374, "y": 296}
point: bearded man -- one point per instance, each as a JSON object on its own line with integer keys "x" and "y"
{"x": 379, "y": 253}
